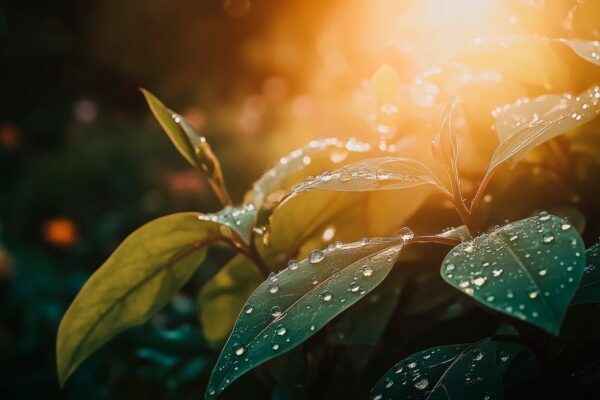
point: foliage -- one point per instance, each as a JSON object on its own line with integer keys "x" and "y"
{"x": 507, "y": 287}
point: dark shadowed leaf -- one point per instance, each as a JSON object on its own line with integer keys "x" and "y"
{"x": 291, "y": 306}
{"x": 529, "y": 269}
{"x": 138, "y": 279}
{"x": 525, "y": 125}
{"x": 589, "y": 289}
{"x": 463, "y": 371}
{"x": 222, "y": 298}
{"x": 380, "y": 173}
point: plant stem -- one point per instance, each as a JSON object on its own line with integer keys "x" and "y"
{"x": 221, "y": 192}
{"x": 434, "y": 239}
{"x": 461, "y": 208}
{"x": 481, "y": 191}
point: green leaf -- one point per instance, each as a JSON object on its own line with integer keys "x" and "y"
{"x": 529, "y": 269}
{"x": 291, "y": 306}
{"x": 462, "y": 371}
{"x": 526, "y": 125}
{"x": 240, "y": 219}
{"x": 379, "y": 173}
{"x": 589, "y": 289}
{"x": 136, "y": 281}
{"x": 298, "y": 160}
{"x": 222, "y": 298}
{"x": 192, "y": 146}
{"x": 589, "y": 50}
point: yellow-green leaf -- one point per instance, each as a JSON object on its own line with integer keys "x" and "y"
{"x": 222, "y": 298}
{"x": 136, "y": 281}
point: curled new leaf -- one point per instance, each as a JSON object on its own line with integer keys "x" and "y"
{"x": 528, "y": 124}
{"x": 444, "y": 144}
{"x": 136, "y": 281}
{"x": 192, "y": 146}
{"x": 291, "y": 306}
{"x": 529, "y": 269}
{"x": 462, "y": 371}
{"x": 380, "y": 173}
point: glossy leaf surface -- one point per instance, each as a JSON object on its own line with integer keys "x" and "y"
{"x": 292, "y": 305}
{"x": 527, "y": 124}
{"x": 529, "y": 269}
{"x": 380, "y": 173}
{"x": 463, "y": 371}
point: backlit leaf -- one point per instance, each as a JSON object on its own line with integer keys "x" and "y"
{"x": 529, "y": 269}
{"x": 291, "y": 306}
{"x": 444, "y": 144}
{"x": 380, "y": 173}
{"x": 136, "y": 281}
{"x": 463, "y": 371}
{"x": 589, "y": 50}
{"x": 589, "y": 289}
{"x": 527, "y": 124}
{"x": 192, "y": 146}
{"x": 300, "y": 159}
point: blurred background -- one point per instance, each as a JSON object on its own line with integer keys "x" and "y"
{"x": 83, "y": 163}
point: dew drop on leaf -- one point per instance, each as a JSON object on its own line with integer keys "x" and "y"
{"x": 316, "y": 256}
{"x": 421, "y": 384}
{"x": 248, "y": 308}
{"x": 293, "y": 265}
{"x": 273, "y": 288}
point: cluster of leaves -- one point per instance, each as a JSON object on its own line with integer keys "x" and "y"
{"x": 531, "y": 269}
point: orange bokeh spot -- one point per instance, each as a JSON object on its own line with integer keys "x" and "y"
{"x": 60, "y": 232}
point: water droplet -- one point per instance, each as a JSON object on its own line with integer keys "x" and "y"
{"x": 276, "y": 311}
{"x": 513, "y": 238}
{"x": 281, "y": 330}
{"x": 366, "y": 271}
{"x": 275, "y": 346}
{"x": 490, "y": 298}
{"x": 240, "y": 350}
{"x": 272, "y": 277}
{"x": 327, "y": 295}
{"x": 316, "y": 256}
{"x": 389, "y": 383}
{"x": 293, "y": 265}
{"x": 248, "y": 308}
{"x": 548, "y": 239}
{"x": 544, "y": 216}
{"x": 533, "y": 295}
{"x": 543, "y": 272}
{"x": 354, "y": 287}
{"x": 497, "y": 272}
{"x": 273, "y": 288}
{"x": 421, "y": 384}
{"x": 312, "y": 327}
{"x": 364, "y": 241}
{"x": 405, "y": 234}
{"x": 565, "y": 227}
{"x": 411, "y": 364}
{"x": 480, "y": 281}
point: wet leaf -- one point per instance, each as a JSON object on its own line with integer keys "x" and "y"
{"x": 529, "y": 269}
{"x": 527, "y": 124}
{"x": 380, "y": 173}
{"x": 291, "y": 306}
{"x": 463, "y": 371}
{"x": 136, "y": 281}
{"x": 192, "y": 146}
{"x": 589, "y": 50}
{"x": 239, "y": 219}
{"x": 589, "y": 289}
{"x": 298, "y": 160}
{"x": 222, "y": 298}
